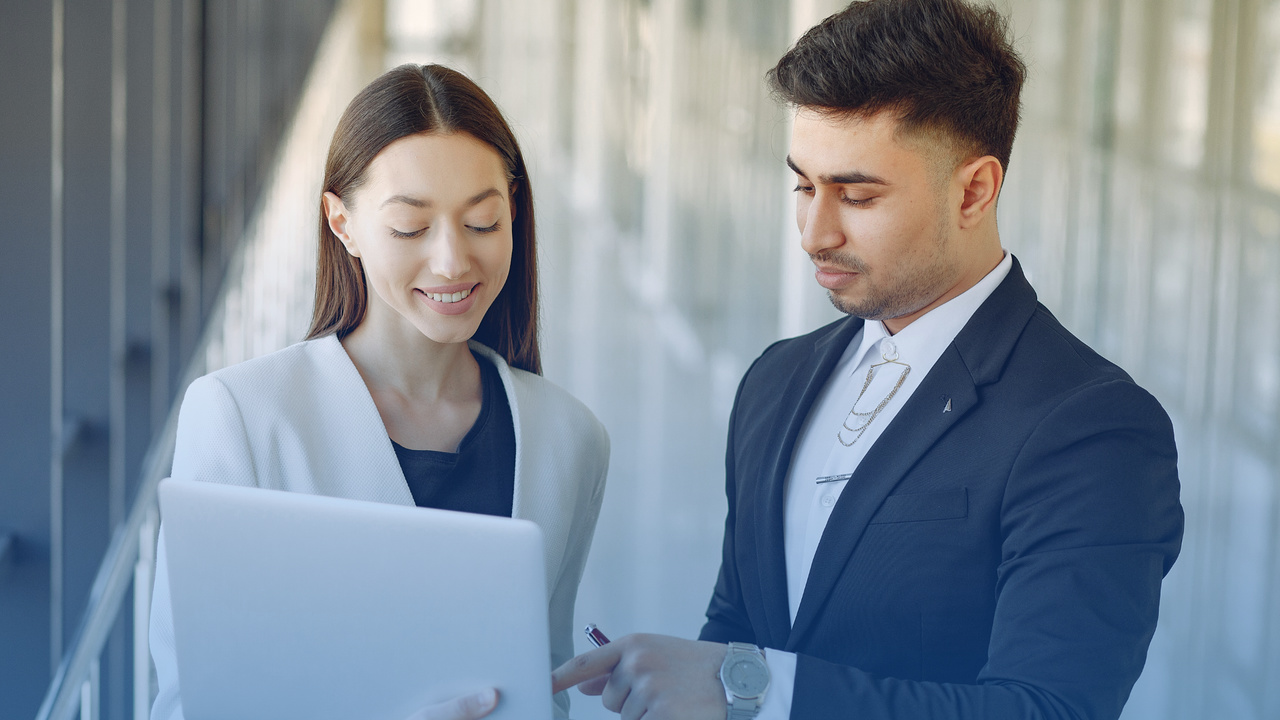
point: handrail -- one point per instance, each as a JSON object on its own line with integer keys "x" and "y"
{"x": 111, "y": 583}
{"x": 6, "y": 550}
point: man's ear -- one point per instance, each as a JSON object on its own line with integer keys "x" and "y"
{"x": 981, "y": 180}
{"x": 336, "y": 212}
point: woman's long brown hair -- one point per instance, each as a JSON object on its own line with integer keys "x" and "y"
{"x": 410, "y": 100}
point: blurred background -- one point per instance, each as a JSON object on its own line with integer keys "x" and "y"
{"x": 160, "y": 162}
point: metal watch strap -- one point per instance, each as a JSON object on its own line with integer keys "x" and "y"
{"x": 743, "y": 708}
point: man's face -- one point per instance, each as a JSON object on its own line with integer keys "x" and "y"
{"x": 874, "y": 212}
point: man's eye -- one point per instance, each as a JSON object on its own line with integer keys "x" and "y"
{"x": 856, "y": 202}
{"x": 806, "y": 189}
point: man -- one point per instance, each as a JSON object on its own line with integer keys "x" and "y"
{"x": 944, "y": 505}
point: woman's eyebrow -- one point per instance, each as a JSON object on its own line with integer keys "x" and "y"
{"x": 406, "y": 200}
{"x": 423, "y": 203}
{"x": 481, "y": 197}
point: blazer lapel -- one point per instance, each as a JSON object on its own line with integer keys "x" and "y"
{"x": 539, "y": 489}
{"x": 363, "y": 444}
{"x": 975, "y": 358}
{"x": 805, "y": 383}
{"x": 516, "y": 400}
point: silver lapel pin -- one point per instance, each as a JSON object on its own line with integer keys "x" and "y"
{"x": 947, "y": 409}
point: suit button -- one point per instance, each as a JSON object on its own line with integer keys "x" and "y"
{"x": 828, "y": 500}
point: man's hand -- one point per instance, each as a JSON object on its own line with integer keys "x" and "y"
{"x": 651, "y": 676}
{"x": 467, "y": 707}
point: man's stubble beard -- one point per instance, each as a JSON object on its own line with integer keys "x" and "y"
{"x": 908, "y": 294}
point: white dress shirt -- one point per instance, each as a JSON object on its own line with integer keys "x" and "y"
{"x": 819, "y": 453}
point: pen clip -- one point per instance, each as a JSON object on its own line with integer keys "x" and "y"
{"x": 596, "y": 637}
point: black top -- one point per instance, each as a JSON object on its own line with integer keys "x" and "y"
{"x": 481, "y": 476}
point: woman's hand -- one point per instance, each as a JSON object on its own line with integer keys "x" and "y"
{"x": 467, "y": 707}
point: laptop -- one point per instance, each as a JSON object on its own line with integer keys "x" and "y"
{"x": 287, "y": 605}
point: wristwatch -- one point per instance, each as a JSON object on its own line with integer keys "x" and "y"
{"x": 745, "y": 675}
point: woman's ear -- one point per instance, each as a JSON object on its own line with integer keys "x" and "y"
{"x": 336, "y": 212}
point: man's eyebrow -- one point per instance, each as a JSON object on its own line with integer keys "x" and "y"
{"x": 853, "y": 177}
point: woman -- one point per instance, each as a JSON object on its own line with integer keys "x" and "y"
{"x": 419, "y": 380}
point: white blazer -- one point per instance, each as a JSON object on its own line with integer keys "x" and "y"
{"x": 302, "y": 419}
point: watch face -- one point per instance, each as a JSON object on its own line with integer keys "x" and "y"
{"x": 747, "y": 676}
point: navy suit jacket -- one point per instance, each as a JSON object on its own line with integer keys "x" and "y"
{"x": 1000, "y": 560}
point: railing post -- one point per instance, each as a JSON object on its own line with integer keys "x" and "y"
{"x": 89, "y": 693}
{"x": 143, "y": 574}
{"x": 6, "y": 550}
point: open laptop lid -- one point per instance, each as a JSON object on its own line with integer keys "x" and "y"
{"x": 295, "y": 605}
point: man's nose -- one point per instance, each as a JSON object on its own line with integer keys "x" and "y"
{"x": 820, "y": 227}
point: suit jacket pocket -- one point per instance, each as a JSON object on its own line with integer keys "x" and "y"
{"x": 915, "y": 507}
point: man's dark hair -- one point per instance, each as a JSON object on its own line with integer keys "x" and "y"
{"x": 941, "y": 65}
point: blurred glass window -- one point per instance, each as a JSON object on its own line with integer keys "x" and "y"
{"x": 1266, "y": 99}
{"x": 1187, "y": 82}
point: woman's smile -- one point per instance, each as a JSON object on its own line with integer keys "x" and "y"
{"x": 451, "y": 300}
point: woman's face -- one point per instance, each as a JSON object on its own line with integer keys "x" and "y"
{"x": 432, "y": 226}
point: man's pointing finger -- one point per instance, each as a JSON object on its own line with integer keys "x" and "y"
{"x": 586, "y": 666}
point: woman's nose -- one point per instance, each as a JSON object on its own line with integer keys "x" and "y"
{"x": 449, "y": 257}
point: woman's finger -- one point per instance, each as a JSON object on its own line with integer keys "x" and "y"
{"x": 467, "y": 707}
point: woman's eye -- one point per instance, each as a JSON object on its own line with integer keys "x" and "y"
{"x": 492, "y": 228}
{"x": 406, "y": 235}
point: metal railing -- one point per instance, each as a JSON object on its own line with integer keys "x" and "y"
{"x": 6, "y": 551}
{"x": 263, "y": 305}
{"x": 130, "y": 558}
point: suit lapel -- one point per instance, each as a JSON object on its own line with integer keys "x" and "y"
{"x": 805, "y": 383}
{"x": 915, "y": 429}
{"x": 975, "y": 358}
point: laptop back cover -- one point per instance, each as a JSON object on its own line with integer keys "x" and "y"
{"x": 295, "y": 605}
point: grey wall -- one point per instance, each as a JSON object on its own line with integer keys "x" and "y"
{"x": 25, "y": 385}
{"x": 134, "y": 139}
